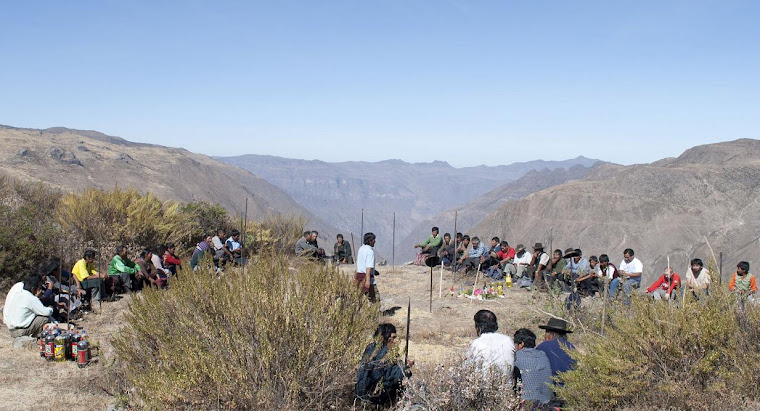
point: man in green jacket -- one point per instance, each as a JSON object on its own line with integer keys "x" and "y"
{"x": 432, "y": 244}
{"x": 122, "y": 268}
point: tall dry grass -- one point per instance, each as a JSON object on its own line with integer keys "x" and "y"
{"x": 271, "y": 338}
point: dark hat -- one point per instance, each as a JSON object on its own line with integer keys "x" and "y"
{"x": 571, "y": 252}
{"x": 538, "y": 246}
{"x": 519, "y": 248}
{"x": 432, "y": 261}
{"x": 556, "y": 325}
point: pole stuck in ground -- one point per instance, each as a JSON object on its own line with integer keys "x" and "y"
{"x": 353, "y": 247}
{"x": 440, "y": 282}
{"x": 101, "y": 280}
{"x": 456, "y": 273}
{"x": 408, "y": 323}
{"x": 243, "y": 235}
{"x": 361, "y": 232}
{"x": 393, "y": 246}
{"x": 720, "y": 268}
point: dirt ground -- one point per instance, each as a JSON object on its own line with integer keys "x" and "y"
{"x": 441, "y": 336}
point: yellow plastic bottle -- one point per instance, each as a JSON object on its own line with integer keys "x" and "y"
{"x": 508, "y": 279}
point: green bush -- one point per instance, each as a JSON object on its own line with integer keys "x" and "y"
{"x": 271, "y": 338}
{"x": 659, "y": 355}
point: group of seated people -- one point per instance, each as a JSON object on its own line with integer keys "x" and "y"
{"x": 569, "y": 270}
{"x": 307, "y": 246}
{"x": 223, "y": 250}
{"x": 54, "y": 294}
{"x": 528, "y": 366}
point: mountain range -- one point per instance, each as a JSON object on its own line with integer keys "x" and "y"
{"x": 345, "y": 193}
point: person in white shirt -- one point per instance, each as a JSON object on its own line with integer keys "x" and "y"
{"x": 629, "y": 270}
{"x": 697, "y": 279}
{"x": 218, "y": 243}
{"x": 492, "y": 350}
{"x": 24, "y": 314}
{"x": 365, "y": 268}
{"x": 522, "y": 262}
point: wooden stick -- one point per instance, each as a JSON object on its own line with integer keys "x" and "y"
{"x": 242, "y": 242}
{"x": 361, "y": 233}
{"x": 456, "y": 273}
{"x": 353, "y": 248}
{"x": 713, "y": 256}
{"x": 408, "y": 323}
{"x": 431, "y": 289}
{"x": 393, "y": 240}
{"x": 440, "y": 283}
{"x": 475, "y": 284}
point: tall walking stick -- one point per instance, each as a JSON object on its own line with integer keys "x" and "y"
{"x": 431, "y": 262}
{"x": 408, "y": 323}
{"x": 440, "y": 283}
{"x": 393, "y": 246}
{"x": 456, "y": 273}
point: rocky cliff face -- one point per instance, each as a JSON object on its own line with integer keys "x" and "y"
{"x": 672, "y": 207}
{"x": 338, "y": 192}
{"x": 75, "y": 160}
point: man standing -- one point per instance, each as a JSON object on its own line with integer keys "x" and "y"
{"x": 630, "y": 271}
{"x": 432, "y": 244}
{"x": 533, "y": 368}
{"x": 491, "y": 350}
{"x": 365, "y": 268}
{"x": 24, "y": 314}
{"x": 555, "y": 345}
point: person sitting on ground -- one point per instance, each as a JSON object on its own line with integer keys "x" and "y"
{"x": 365, "y": 267}
{"x": 506, "y": 256}
{"x": 342, "y": 251}
{"x": 522, "y": 262}
{"x": 630, "y": 271}
{"x": 431, "y": 245}
{"x": 64, "y": 288}
{"x": 491, "y": 260}
{"x": 463, "y": 250}
{"x": 50, "y": 296}
{"x": 743, "y": 282}
{"x": 379, "y": 380}
{"x": 304, "y": 247}
{"x": 607, "y": 271}
{"x": 446, "y": 252}
{"x": 123, "y": 270}
{"x": 202, "y": 249}
{"x": 538, "y": 262}
{"x": 555, "y": 268}
{"x": 588, "y": 283}
{"x": 313, "y": 241}
{"x": 664, "y": 286}
{"x": 472, "y": 260}
{"x": 533, "y": 369}
{"x": 88, "y": 278}
{"x": 221, "y": 254}
{"x": 578, "y": 263}
{"x": 235, "y": 249}
{"x": 23, "y": 313}
{"x": 697, "y": 279}
{"x": 492, "y": 350}
{"x": 555, "y": 345}
{"x": 158, "y": 265}
{"x": 170, "y": 260}
{"x": 150, "y": 277}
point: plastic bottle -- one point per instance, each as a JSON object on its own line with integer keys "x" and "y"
{"x": 50, "y": 346}
{"x": 59, "y": 348}
{"x": 41, "y": 342}
{"x": 508, "y": 280}
{"x": 83, "y": 353}
{"x": 74, "y": 341}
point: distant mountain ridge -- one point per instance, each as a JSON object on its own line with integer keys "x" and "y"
{"x": 338, "y": 192}
{"x": 670, "y": 208}
{"x": 75, "y": 160}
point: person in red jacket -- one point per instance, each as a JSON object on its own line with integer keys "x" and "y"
{"x": 664, "y": 286}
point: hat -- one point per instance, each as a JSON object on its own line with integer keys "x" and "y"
{"x": 556, "y": 325}
{"x": 432, "y": 261}
{"x": 570, "y": 252}
{"x": 519, "y": 248}
{"x": 538, "y": 246}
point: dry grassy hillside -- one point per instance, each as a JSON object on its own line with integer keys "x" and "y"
{"x": 75, "y": 160}
{"x": 662, "y": 209}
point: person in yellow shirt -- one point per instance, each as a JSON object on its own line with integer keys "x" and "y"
{"x": 87, "y": 277}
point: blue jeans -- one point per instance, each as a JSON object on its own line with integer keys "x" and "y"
{"x": 615, "y": 283}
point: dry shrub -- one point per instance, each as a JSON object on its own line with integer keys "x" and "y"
{"x": 270, "y": 338}
{"x": 277, "y": 233}
{"x": 28, "y": 232}
{"x": 457, "y": 386}
{"x": 656, "y": 354}
{"x": 129, "y": 217}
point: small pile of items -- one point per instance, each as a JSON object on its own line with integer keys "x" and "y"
{"x": 61, "y": 345}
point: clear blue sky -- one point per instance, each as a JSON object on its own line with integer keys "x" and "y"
{"x": 467, "y": 82}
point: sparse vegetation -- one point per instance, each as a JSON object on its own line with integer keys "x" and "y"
{"x": 272, "y": 338}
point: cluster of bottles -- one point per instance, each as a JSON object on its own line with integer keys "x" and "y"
{"x": 61, "y": 345}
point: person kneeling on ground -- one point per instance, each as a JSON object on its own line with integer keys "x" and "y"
{"x": 664, "y": 286}
{"x": 380, "y": 377}
{"x": 491, "y": 349}
{"x": 23, "y": 313}
{"x": 743, "y": 283}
